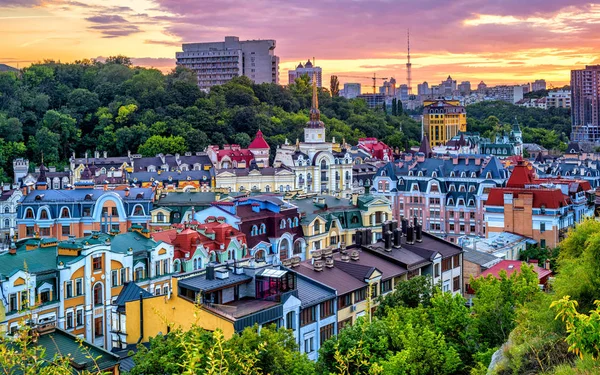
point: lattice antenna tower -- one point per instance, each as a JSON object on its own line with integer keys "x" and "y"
{"x": 408, "y": 66}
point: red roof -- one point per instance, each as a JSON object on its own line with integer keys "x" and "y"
{"x": 236, "y": 155}
{"x": 520, "y": 176}
{"x": 510, "y": 266}
{"x": 259, "y": 141}
{"x": 549, "y": 198}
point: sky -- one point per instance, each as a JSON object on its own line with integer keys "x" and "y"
{"x": 497, "y": 41}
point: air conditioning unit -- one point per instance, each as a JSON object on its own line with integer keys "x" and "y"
{"x": 353, "y": 308}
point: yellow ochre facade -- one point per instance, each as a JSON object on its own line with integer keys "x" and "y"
{"x": 442, "y": 120}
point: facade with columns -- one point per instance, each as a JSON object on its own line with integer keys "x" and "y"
{"x": 73, "y": 284}
{"x": 318, "y": 167}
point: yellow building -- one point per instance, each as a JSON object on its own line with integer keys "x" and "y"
{"x": 329, "y": 221}
{"x": 442, "y": 120}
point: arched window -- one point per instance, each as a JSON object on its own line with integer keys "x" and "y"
{"x": 295, "y": 222}
{"x": 268, "y": 188}
{"x": 29, "y": 213}
{"x": 195, "y": 264}
{"x": 138, "y": 210}
{"x": 65, "y": 212}
{"x": 281, "y": 188}
{"x": 263, "y": 229}
{"x": 259, "y": 255}
{"x": 282, "y": 224}
{"x": 6, "y": 223}
{"x": 160, "y": 217}
{"x": 44, "y": 215}
{"x": 97, "y": 295}
{"x": 289, "y": 222}
{"x": 297, "y": 247}
{"x": 317, "y": 227}
{"x": 354, "y": 219}
{"x": 323, "y": 164}
{"x": 7, "y": 210}
{"x": 347, "y": 175}
{"x": 254, "y": 230}
{"x": 176, "y": 266}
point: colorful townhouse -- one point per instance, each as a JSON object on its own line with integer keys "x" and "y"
{"x": 255, "y": 179}
{"x": 328, "y": 221}
{"x": 80, "y": 211}
{"x": 541, "y": 209}
{"x": 446, "y": 194}
{"x": 234, "y": 156}
{"x": 9, "y": 200}
{"x": 196, "y": 245}
{"x": 174, "y": 181}
{"x": 272, "y": 226}
{"x": 72, "y": 284}
{"x": 178, "y": 207}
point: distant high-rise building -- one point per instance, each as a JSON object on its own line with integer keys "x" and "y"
{"x": 464, "y": 88}
{"x": 526, "y": 88}
{"x": 481, "y": 87}
{"x": 216, "y": 63}
{"x": 307, "y": 69}
{"x": 423, "y": 88}
{"x": 539, "y": 84}
{"x": 404, "y": 93}
{"x": 448, "y": 86}
{"x": 351, "y": 90}
{"x": 585, "y": 104}
{"x": 442, "y": 120}
{"x": 388, "y": 88}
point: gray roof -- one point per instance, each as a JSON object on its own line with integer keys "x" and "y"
{"x": 186, "y": 198}
{"x": 200, "y": 283}
{"x": 311, "y": 293}
{"x": 483, "y": 259}
{"x": 130, "y": 292}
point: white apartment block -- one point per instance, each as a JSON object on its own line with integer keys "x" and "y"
{"x": 216, "y": 63}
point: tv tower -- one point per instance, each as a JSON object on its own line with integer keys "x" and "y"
{"x": 408, "y": 67}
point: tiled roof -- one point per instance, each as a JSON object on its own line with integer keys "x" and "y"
{"x": 550, "y": 198}
{"x": 258, "y": 141}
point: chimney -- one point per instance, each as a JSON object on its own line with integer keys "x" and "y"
{"x": 354, "y": 255}
{"x": 354, "y": 199}
{"x": 393, "y": 225}
{"x": 104, "y": 154}
{"x": 397, "y": 237}
{"x": 547, "y": 264}
{"x": 415, "y": 222}
{"x": 419, "y": 232}
{"x": 210, "y": 271}
{"x": 404, "y": 225}
{"x": 329, "y": 262}
{"x": 410, "y": 235}
{"x": 344, "y": 256}
{"x": 316, "y": 255}
{"x": 358, "y": 237}
{"x": 97, "y": 154}
{"x": 318, "y": 265}
{"x": 387, "y": 239}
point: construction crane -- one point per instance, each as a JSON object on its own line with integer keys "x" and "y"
{"x": 374, "y": 78}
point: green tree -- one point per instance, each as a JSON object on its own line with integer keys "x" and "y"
{"x": 46, "y": 143}
{"x": 66, "y": 127}
{"x": 163, "y": 145}
{"x": 334, "y": 86}
{"x": 394, "y": 107}
{"x": 11, "y": 129}
{"x": 410, "y": 293}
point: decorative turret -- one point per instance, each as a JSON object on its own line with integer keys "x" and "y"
{"x": 425, "y": 148}
{"x": 42, "y": 180}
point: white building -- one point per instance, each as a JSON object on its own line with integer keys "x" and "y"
{"x": 306, "y": 69}
{"x": 9, "y": 199}
{"x": 318, "y": 168}
{"x": 558, "y": 99}
{"x": 216, "y": 63}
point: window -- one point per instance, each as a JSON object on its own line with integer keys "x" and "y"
{"x": 543, "y": 243}
{"x": 326, "y": 332}
{"x": 317, "y": 227}
{"x": 160, "y": 217}
{"x": 309, "y": 345}
{"x": 263, "y": 229}
{"x": 290, "y": 320}
{"x": 157, "y": 270}
{"x": 456, "y": 283}
{"x": 98, "y": 329}
{"x": 66, "y": 230}
{"x": 65, "y": 212}
{"x": 326, "y": 309}
{"x": 24, "y": 299}
{"x": 79, "y": 318}
{"x": 79, "y": 287}
{"x": 68, "y": 289}
{"x": 123, "y": 272}
{"x": 45, "y": 296}
{"x": 44, "y": 215}
{"x": 386, "y": 286}
{"x": 69, "y": 320}
{"x": 97, "y": 264}
{"x": 44, "y": 232}
{"x": 437, "y": 270}
{"x": 29, "y": 214}
{"x": 344, "y": 301}
{"x": 360, "y": 295}
{"x": 456, "y": 261}
{"x": 97, "y": 294}
{"x": 282, "y": 224}
{"x": 446, "y": 264}
{"x": 114, "y": 278}
{"x": 254, "y": 230}
{"x": 12, "y": 302}
{"x": 542, "y": 227}
{"x": 307, "y": 316}
{"x": 30, "y": 231}
{"x": 139, "y": 273}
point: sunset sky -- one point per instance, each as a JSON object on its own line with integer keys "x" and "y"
{"x": 497, "y": 41}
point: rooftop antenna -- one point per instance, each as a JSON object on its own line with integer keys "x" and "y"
{"x": 408, "y": 66}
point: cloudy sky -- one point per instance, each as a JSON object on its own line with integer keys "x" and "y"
{"x": 498, "y": 41}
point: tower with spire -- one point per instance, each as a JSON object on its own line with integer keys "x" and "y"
{"x": 314, "y": 132}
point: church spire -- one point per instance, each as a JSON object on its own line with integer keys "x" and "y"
{"x": 315, "y": 114}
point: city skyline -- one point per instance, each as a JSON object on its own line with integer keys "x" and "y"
{"x": 511, "y": 42}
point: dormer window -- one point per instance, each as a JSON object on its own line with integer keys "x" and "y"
{"x": 434, "y": 174}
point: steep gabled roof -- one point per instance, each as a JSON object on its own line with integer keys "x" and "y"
{"x": 258, "y": 142}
